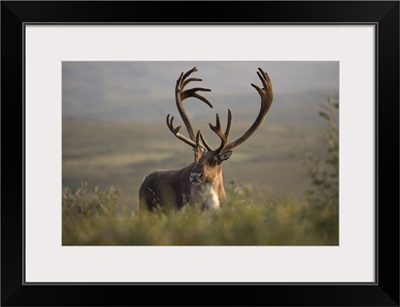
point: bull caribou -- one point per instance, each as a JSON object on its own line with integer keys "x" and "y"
{"x": 200, "y": 182}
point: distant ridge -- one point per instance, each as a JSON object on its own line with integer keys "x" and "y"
{"x": 157, "y": 109}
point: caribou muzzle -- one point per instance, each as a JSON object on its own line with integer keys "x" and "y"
{"x": 196, "y": 178}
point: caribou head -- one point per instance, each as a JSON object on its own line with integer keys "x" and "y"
{"x": 200, "y": 182}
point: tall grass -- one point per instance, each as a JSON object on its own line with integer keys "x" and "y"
{"x": 243, "y": 221}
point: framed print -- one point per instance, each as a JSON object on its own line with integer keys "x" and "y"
{"x": 277, "y": 176}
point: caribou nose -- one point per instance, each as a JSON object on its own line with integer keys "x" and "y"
{"x": 195, "y": 177}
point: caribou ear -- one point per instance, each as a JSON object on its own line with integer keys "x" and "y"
{"x": 225, "y": 155}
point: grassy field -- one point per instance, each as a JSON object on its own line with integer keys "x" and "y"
{"x": 267, "y": 180}
{"x": 120, "y": 154}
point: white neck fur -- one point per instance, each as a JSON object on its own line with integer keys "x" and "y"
{"x": 206, "y": 195}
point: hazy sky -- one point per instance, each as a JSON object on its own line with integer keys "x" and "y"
{"x": 90, "y": 87}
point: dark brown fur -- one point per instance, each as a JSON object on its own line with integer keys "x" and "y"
{"x": 167, "y": 189}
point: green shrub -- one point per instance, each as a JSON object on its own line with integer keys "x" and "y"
{"x": 323, "y": 166}
{"x": 81, "y": 203}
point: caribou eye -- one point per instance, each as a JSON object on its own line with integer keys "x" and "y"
{"x": 213, "y": 161}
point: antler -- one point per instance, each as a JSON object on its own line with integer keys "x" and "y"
{"x": 266, "y": 101}
{"x": 222, "y": 135}
{"x": 180, "y": 96}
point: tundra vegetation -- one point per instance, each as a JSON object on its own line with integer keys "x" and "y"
{"x": 291, "y": 200}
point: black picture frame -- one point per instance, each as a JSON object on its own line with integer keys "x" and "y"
{"x": 383, "y": 14}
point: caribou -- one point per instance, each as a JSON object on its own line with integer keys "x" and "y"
{"x": 201, "y": 182}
